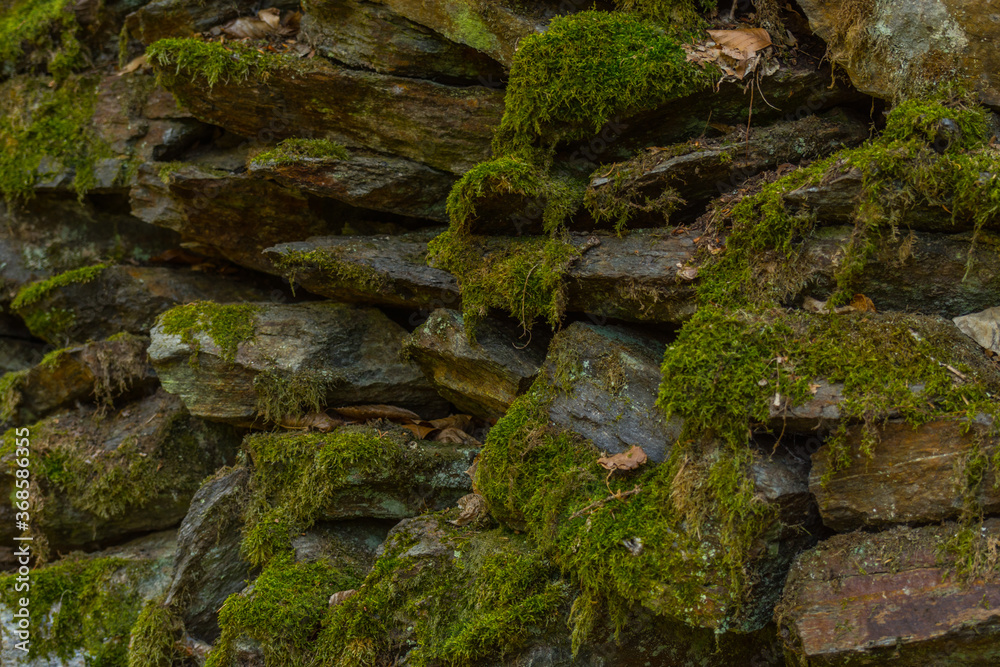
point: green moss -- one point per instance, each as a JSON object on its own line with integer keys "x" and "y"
{"x": 227, "y": 325}
{"x": 683, "y": 13}
{"x": 212, "y": 62}
{"x": 30, "y": 295}
{"x": 900, "y": 169}
{"x": 512, "y": 176}
{"x": 46, "y": 27}
{"x": 153, "y": 641}
{"x": 10, "y": 393}
{"x": 295, "y": 475}
{"x": 282, "y": 612}
{"x": 621, "y": 199}
{"x": 50, "y": 325}
{"x": 291, "y": 151}
{"x": 523, "y": 276}
{"x": 586, "y": 69}
{"x": 281, "y": 395}
{"x": 330, "y": 262}
{"x": 483, "y": 597}
{"x": 47, "y": 130}
{"x": 89, "y": 604}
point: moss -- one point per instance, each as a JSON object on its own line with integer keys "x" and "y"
{"x": 691, "y": 520}
{"x": 88, "y": 604}
{"x": 41, "y": 126}
{"x": 116, "y": 364}
{"x": 47, "y": 27}
{"x": 512, "y": 176}
{"x": 281, "y": 395}
{"x": 154, "y": 637}
{"x": 10, "y": 393}
{"x": 282, "y": 611}
{"x": 524, "y": 276}
{"x": 212, "y": 62}
{"x": 295, "y": 474}
{"x": 907, "y": 166}
{"x": 621, "y": 199}
{"x": 35, "y": 292}
{"x": 484, "y": 596}
{"x": 673, "y": 12}
{"x": 227, "y": 325}
{"x": 331, "y": 263}
{"x": 586, "y": 69}
{"x": 291, "y": 151}
{"x": 51, "y": 324}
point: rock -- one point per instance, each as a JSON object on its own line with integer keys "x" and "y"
{"x": 366, "y": 180}
{"x": 209, "y": 566}
{"x": 386, "y": 270}
{"x": 914, "y": 475}
{"x": 291, "y": 358}
{"x": 100, "y": 372}
{"x": 181, "y": 18}
{"x": 898, "y": 47}
{"x": 51, "y": 234}
{"x": 604, "y": 382}
{"x": 374, "y": 36}
{"x": 90, "y": 603}
{"x": 481, "y": 376}
{"x": 96, "y": 303}
{"x": 447, "y": 128}
{"x": 700, "y": 172}
{"x": 98, "y": 481}
{"x": 982, "y": 327}
{"x": 891, "y": 598}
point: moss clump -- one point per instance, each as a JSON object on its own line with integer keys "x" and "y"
{"x": 725, "y": 369}
{"x": 227, "y": 325}
{"x": 153, "y": 640}
{"x": 31, "y": 294}
{"x": 586, "y": 69}
{"x": 10, "y": 393}
{"x": 291, "y": 151}
{"x": 919, "y": 160}
{"x": 331, "y": 263}
{"x": 295, "y": 475}
{"x": 90, "y": 605}
{"x": 46, "y": 26}
{"x": 212, "y": 61}
{"x": 283, "y": 611}
{"x": 691, "y": 521}
{"x": 47, "y": 130}
{"x": 621, "y": 199}
{"x": 482, "y": 597}
{"x": 559, "y": 198}
{"x": 683, "y": 13}
{"x": 281, "y": 395}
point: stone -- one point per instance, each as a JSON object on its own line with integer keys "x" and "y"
{"x": 326, "y": 352}
{"x": 982, "y": 327}
{"x": 182, "y": 18}
{"x": 366, "y": 35}
{"x": 894, "y": 47}
{"x": 481, "y": 375}
{"x": 100, "y": 481}
{"x": 101, "y": 372}
{"x": 444, "y": 127}
{"x": 128, "y": 299}
{"x": 913, "y": 476}
{"x": 892, "y": 597}
{"x": 366, "y": 180}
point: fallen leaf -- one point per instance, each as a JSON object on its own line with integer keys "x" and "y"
{"x": 473, "y": 508}
{"x": 316, "y": 421}
{"x": 270, "y": 16}
{"x": 629, "y": 460}
{"x": 688, "y": 273}
{"x": 456, "y": 437}
{"x": 745, "y": 42}
{"x": 862, "y": 304}
{"x": 341, "y": 596}
{"x": 363, "y": 413}
{"x": 461, "y": 422}
{"x": 247, "y": 27}
{"x": 419, "y": 430}
{"x": 134, "y": 64}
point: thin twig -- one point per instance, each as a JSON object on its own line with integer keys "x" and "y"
{"x": 594, "y": 505}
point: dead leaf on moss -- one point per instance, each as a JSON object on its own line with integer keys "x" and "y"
{"x": 473, "y": 508}
{"x": 341, "y": 596}
{"x": 420, "y": 430}
{"x": 461, "y": 422}
{"x": 862, "y": 304}
{"x": 456, "y": 437}
{"x": 736, "y": 52}
{"x": 629, "y": 460}
{"x": 741, "y": 44}
{"x": 363, "y": 413}
{"x": 859, "y": 304}
{"x": 135, "y": 64}
{"x": 315, "y": 421}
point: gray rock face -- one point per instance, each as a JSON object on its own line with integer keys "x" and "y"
{"x": 338, "y": 354}
{"x": 982, "y": 327}
{"x": 896, "y": 46}
{"x": 482, "y": 376}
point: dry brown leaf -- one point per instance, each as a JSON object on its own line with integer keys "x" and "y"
{"x": 341, "y": 596}
{"x": 363, "y": 413}
{"x": 744, "y": 42}
{"x": 456, "y": 437}
{"x": 461, "y": 422}
{"x": 420, "y": 430}
{"x": 473, "y": 508}
{"x": 316, "y": 421}
{"x": 134, "y": 64}
{"x": 270, "y": 16}
{"x": 629, "y": 460}
{"x": 246, "y": 27}
{"x": 862, "y": 304}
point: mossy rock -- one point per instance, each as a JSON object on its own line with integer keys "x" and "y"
{"x": 98, "y": 481}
